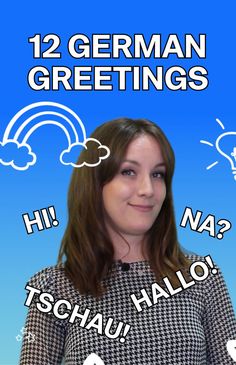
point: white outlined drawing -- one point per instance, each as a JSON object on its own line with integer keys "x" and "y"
{"x": 221, "y": 150}
{"x": 93, "y": 359}
{"x": 231, "y": 348}
{"x": 28, "y": 335}
{"x": 84, "y": 145}
{"x": 15, "y": 151}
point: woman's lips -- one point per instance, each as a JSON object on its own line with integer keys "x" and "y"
{"x": 142, "y": 208}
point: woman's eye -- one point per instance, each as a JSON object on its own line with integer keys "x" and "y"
{"x": 128, "y": 172}
{"x": 158, "y": 175}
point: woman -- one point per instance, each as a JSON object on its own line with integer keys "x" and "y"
{"x": 120, "y": 239}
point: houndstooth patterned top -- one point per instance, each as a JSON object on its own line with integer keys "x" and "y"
{"x": 189, "y": 328}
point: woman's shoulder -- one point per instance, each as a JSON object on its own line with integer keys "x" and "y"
{"x": 192, "y": 256}
{"x": 53, "y": 280}
{"x": 214, "y": 279}
{"x": 206, "y": 260}
{"x": 46, "y": 276}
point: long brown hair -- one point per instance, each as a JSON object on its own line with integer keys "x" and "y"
{"x": 86, "y": 244}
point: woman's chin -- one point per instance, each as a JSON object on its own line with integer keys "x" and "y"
{"x": 138, "y": 230}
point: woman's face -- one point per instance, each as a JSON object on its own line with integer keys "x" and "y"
{"x": 134, "y": 197}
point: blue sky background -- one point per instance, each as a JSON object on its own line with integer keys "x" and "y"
{"x": 185, "y": 116}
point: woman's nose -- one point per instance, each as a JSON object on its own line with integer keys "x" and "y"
{"x": 145, "y": 186}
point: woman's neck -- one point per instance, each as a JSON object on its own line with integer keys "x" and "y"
{"x": 127, "y": 248}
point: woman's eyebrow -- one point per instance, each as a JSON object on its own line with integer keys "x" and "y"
{"x": 138, "y": 164}
{"x": 131, "y": 161}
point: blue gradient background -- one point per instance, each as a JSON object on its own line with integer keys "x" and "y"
{"x": 186, "y": 117}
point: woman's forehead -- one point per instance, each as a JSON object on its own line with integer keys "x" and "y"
{"x": 143, "y": 146}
